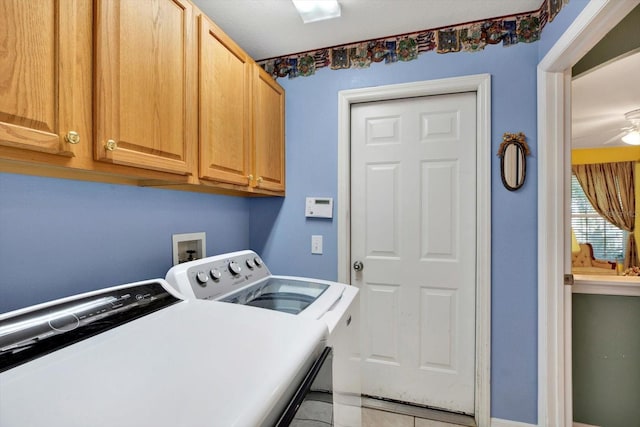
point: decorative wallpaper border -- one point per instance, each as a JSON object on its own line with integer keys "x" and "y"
{"x": 469, "y": 37}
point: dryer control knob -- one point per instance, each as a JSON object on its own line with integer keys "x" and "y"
{"x": 202, "y": 278}
{"x": 215, "y": 274}
{"x": 234, "y": 268}
{"x": 257, "y": 261}
{"x": 251, "y": 264}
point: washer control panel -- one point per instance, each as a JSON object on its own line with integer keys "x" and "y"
{"x": 32, "y": 333}
{"x": 211, "y": 278}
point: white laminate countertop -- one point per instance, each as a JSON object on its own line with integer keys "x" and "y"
{"x": 606, "y": 285}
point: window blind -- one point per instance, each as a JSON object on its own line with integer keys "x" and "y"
{"x": 608, "y": 241}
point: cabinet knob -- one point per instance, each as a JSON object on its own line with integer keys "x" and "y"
{"x": 250, "y": 177}
{"x": 72, "y": 137}
{"x": 259, "y": 180}
{"x": 111, "y": 145}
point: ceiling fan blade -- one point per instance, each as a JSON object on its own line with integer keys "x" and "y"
{"x": 617, "y": 137}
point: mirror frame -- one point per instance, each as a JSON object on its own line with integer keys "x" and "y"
{"x": 520, "y": 141}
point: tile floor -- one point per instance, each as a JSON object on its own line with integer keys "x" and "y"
{"x": 315, "y": 411}
{"x": 377, "y": 418}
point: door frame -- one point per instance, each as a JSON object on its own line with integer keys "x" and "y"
{"x": 481, "y": 85}
{"x": 555, "y": 403}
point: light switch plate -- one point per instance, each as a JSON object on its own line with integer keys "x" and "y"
{"x": 316, "y": 244}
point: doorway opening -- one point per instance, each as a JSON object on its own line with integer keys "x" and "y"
{"x": 555, "y": 406}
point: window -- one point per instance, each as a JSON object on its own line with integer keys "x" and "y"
{"x": 608, "y": 241}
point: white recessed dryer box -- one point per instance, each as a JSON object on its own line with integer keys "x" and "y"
{"x": 319, "y": 207}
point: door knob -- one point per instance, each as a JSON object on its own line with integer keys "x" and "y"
{"x": 358, "y": 266}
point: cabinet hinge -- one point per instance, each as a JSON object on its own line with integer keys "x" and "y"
{"x": 568, "y": 279}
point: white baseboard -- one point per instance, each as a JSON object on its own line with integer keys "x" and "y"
{"x": 497, "y": 422}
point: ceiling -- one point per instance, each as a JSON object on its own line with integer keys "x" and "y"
{"x": 600, "y": 98}
{"x": 271, "y": 28}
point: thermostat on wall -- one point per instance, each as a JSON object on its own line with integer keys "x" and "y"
{"x": 319, "y": 207}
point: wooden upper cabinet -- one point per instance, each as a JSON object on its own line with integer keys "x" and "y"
{"x": 224, "y": 107}
{"x": 268, "y": 132}
{"x": 44, "y": 63}
{"x": 146, "y": 88}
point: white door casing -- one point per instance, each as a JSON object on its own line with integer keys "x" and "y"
{"x": 413, "y": 226}
{"x": 480, "y": 84}
{"x": 555, "y": 406}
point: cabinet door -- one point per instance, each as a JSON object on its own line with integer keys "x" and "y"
{"x": 146, "y": 84}
{"x": 268, "y": 128}
{"x": 224, "y": 107}
{"x": 41, "y": 94}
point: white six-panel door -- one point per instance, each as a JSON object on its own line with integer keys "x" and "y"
{"x": 413, "y": 225}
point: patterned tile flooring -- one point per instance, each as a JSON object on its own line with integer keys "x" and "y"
{"x": 382, "y": 413}
{"x": 317, "y": 411}
{"x": 377, "y": 418}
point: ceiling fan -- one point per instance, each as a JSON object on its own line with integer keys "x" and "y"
{"x": 629, "y": 134}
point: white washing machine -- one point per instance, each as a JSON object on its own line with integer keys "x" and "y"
{"x": 142, "y": 355}
{"x": 242, "y": 278}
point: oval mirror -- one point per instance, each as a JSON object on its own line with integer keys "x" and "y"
{"x": 513, "y": 160}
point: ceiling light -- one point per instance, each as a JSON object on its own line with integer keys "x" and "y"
{"x": 632, "y": 138}
{"x": 317, "y": 10}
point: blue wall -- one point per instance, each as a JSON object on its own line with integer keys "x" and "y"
{"x": 282, "y": 234}
{"x": 312, "y": 171}
{"x": 555, "y": 29}
{"x": 62, "y": 237}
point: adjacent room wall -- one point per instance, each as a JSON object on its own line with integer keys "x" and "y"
{"x": 585, "y": 156}
{"x": 62, "y": 237}
{"x": 622, "y": 40}
{"x": 606, "y": 372}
